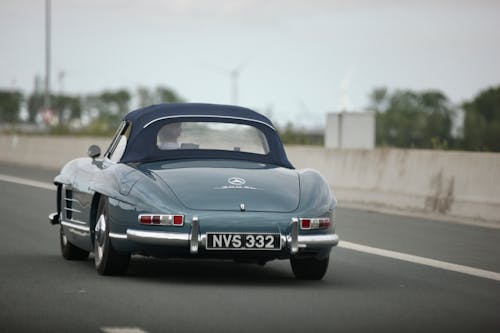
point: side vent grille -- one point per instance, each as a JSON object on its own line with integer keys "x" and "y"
{"x": 68, "y": 203}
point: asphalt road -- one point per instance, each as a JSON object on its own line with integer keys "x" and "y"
{"x": 362, "y": 292}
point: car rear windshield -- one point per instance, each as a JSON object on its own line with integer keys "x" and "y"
{"x": 212, "y": 136}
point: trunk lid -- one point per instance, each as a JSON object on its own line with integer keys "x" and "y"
{"x": 226, "y": 185}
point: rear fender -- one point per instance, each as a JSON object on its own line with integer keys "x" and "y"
{"x": 315, "y": 194}
{"x": 114, "y": 182}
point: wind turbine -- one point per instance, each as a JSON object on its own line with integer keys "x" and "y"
{"x": 234, "y": 75}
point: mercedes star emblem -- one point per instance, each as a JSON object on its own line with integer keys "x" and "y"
{"x": 236, "y": 181}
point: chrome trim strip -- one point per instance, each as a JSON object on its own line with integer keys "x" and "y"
{"x": 203, "y": 240}
{"x": 77, "y": 221}
{"x": 195, "y": 231}
{"x": 293, "y": 238}
{"x": 79, "y": 233}
{"x": 72, "y": 210}
{"x": 119, "y": 236}
{"x": 70, "y": 199}
{"x": 75, "y": 226}
{"x": 282, "y": 241}
{"x": 317, "y": 240}
{"x": 161, "y": 238}
{"x": 209, "y": 116}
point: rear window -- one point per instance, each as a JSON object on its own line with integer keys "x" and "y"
{"x": 212, "y": 136}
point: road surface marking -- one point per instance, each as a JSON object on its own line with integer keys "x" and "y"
{"x": 342, "y": 244}
{"x": 27, "y": 182}
{"x": 421, "y": 260}
{"x": 122, "y": 330}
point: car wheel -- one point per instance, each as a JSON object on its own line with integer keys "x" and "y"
{"x": 107, "y": 260}
{"x": 70, "y": 251}
{"x": 309, "y": 268}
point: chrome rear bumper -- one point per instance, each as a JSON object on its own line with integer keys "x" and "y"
{"x": 195, "y": 239}
{"x": 159, "y": 238}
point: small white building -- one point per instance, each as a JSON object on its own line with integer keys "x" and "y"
{"x": 350, "y": 130}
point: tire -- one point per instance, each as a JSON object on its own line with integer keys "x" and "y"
{"x": 70, "y": 251}
{"x": 107, "y": 260}
{"x": 309, "y": 268}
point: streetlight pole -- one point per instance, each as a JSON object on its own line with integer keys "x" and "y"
{"x": 46, "y": 97}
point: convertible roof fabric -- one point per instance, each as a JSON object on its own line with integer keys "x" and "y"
{"x": 146, "y": 122}
{"x": 144, "y": 116}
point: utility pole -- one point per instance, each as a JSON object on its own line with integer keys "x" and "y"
{"x": 46, "y": 97}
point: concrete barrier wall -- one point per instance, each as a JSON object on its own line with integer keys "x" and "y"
{"x": 453, "y": 184}
{"x": 45, "y": 151}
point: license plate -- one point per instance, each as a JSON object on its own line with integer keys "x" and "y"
{"x": 243, "y": 241}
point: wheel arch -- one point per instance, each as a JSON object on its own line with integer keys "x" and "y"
{"x": 93, "y": 214}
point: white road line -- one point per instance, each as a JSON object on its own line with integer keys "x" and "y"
{"x": 122, "y": 330}
{"x": 421, "y": 260}
{"x": 343, "y": 244}
{"x": 27, "y": 182}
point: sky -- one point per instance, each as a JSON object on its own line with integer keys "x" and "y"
{"x": 297, "y": 60}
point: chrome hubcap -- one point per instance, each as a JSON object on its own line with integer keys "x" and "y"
{"x": 100, "y": 238}
{"x": 64, "y": 239}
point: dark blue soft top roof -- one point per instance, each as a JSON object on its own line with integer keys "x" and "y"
{"x": 146, "y": 122}
{"x": 142, "y": 117}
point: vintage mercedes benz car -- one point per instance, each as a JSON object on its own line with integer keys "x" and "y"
{"x": 194, "y": 180}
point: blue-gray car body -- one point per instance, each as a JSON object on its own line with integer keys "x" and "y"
{"x": 222, "y": 193}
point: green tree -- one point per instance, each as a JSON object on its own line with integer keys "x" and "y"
{"x": 156, "y": 96}
{"x": 409, "y": 119}
{"x": 115, "y": 102}
{"x": 378, "y": 97}
{"x": 482, "y": 121}
{"x": 291, "y": 135}
{"x": 10, "y": 105}
{"x": 438, "y": 122}
{"x": 106, "y": 108}
{"x": 35, "y": 104}
{"x": 66, "y": 107}
{"x": 166, "y": 95}
{"x": 145, "y": 97}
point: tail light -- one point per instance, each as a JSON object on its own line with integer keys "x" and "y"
{"x": 314, "y": 223}
{"x": 161, "y": 219}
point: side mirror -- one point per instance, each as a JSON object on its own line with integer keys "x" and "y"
{"x": 94, "y": 151}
